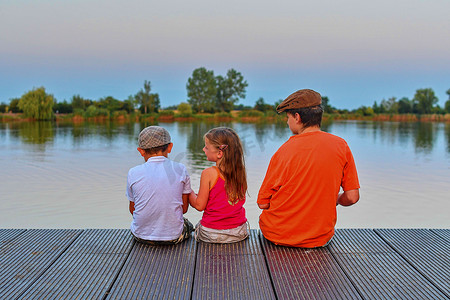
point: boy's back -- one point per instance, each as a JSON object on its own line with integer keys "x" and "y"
{"x": 156, "y": 188}
{"x": 158, "y": 191}
{"x": 300, "y": 191}
{"x": 306, "y": 173}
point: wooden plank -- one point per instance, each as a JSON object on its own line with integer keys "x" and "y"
{"x": 376, "y": 270}
{"x": 25, "y": 258}
{"x": 6, "y": 235}
{"x": 426, "y": 251}
{"x": 86, "y": 269}
{"x": 443, "y": 233}
{"x": 306, "y": 273}
{"x": 232, "y": 271}
{"x": 157, "y": 272}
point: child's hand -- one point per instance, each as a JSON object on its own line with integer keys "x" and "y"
{"x": 192, "y": 197}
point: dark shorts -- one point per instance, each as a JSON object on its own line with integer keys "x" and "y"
{"x": 185, "y": 234}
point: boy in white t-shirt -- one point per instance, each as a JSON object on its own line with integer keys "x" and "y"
{"x": 158, "y": 192}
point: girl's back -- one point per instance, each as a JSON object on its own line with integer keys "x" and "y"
{"x": 222, "y": 189}
{"x": 220, "y": 212}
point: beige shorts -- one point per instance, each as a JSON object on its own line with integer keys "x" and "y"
{"x": 222, "y": 236}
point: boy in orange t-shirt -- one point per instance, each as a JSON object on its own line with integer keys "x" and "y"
{"x": 300, "y": 192}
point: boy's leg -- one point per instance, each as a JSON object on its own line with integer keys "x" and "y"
{"x": 185, "y": 234}
{"x": 187, "y": 229}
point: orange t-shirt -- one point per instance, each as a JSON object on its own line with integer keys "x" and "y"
{"x": 302, "y": 185}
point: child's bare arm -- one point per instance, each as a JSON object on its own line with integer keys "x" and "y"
{"x": 264, "y": 206}
{"x": 131, "y": 207}
{"x": 199, "y": 201}
{"x": 348, "y": 198}
{"x": 185, "y": 202}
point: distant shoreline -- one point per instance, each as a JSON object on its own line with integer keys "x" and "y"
{"x": 234, "y": 116}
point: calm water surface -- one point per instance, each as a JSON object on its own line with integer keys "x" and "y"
{"x": 74, "y": 176}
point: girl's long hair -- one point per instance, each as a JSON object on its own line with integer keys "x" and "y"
{"x": 232, "y": 164}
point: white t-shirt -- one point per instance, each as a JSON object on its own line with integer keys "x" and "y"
{"x": 156, "y": 188}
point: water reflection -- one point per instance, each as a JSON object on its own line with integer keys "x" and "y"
{"x": 447, "y": 134}
{"x": 75, "y": 173}
{"x": 40, "y": 134}
{"x": 422, "y": 136}
{"x": 194, "y": 133}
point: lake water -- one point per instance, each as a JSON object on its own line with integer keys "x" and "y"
{"x": 74, "y": 175}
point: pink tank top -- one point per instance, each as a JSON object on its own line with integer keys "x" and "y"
{"x": 219, "y": 214}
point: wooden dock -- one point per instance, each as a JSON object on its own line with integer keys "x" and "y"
{"x": 108, "y": 264}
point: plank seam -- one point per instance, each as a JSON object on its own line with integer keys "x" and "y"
{"x": 410, "y": 263}
{"x": 195, "y": 264}
{"x": 38, "y": 276}
{"x": 440, "y": 236}
{"x": 119, "y": 270}
{"x": 345, "y": 272}
{"x": 267, "y": 264}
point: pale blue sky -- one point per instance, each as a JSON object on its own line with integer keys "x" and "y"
{"x": 355, "y": 52}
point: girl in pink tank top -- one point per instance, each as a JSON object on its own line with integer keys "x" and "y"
{"x": 222, "y": 189}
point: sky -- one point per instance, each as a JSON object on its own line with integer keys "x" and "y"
{"x": 354, "y": 52}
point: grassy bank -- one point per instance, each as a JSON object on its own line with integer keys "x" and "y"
{"x": 247, "y": 116}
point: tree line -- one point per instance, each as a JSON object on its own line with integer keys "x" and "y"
{"x": 207, "y": 93}
{"x": 423, "y": 102}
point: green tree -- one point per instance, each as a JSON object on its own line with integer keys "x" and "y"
{"x": 147, "y": 101}
{"x": 14, "y": 106}
{"x": 3, "y": 107}
{"x": 447, "y": 103}
{"x": 261, "y": 105}
{"x": 37, "y": 104}
{"x": 62, "y": 107}
{"x": 327, "y": 108}
{"x": 130, "y": 104}
{"x": 404, "y": 106}
{"x": 365, "y": 111}
{"x": 447, "y": 106}
{"x": 390, "y": 105}
{"x": 110, "y": 103}
{"x": 202, "y": 90}
{"x": 79, "y": 102}
{"x": 376, "y": 107}
{"x": 425, "y": 100}
{"x": 230, "y": 89}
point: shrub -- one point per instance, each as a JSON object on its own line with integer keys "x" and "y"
{"x": 78, "y": 112}
{"x": 119, "y": 113}
{"x": 184, "y": 108}
{"x": 251, "y": 113}
{"x": 223, "y": 115}
{"x": 93, "y": 111}
{"x": 168, "y": 113}
{"x": 184, "y": 115}
{"x": 271, "y": 113}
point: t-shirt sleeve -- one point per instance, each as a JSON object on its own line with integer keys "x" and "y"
{"x": 350, "y": 177}
{"x": 271, "y": 182}
{"x": 129, "y": 191}
{"x": 187, "y": 183}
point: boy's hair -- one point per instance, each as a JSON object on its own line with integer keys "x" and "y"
{"x": 310, "y": 116}
{"x": 232, "y": 165}
{"x": 157, "y": 149}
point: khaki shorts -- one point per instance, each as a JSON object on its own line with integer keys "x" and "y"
{"x": 222, "y": 236}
